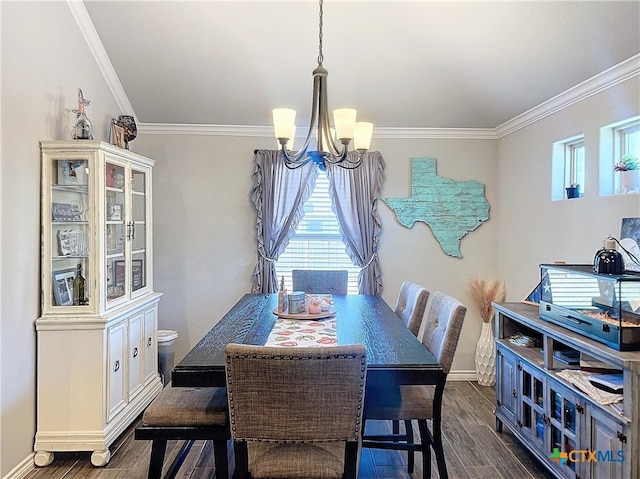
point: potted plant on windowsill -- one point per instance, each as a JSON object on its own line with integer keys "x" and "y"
{"x": 629, "y": 168}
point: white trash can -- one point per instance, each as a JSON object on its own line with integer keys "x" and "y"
{"x": 166, "y": 340}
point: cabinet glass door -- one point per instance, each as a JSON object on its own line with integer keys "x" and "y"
{"x": 70, "y": 239}
{"x": 564, "y": 428}
{"x": 138, "y": 228}
{"x": 115, "y": 231}
{"x": 532, "y": 417}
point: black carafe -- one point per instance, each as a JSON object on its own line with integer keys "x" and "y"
{"x": 608, "y": 260}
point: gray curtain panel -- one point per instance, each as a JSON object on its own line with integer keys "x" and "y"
{"x": 355, "y": 194}
{"x": 278, "y": 195}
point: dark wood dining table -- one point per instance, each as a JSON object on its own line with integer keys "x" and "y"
{"x": 394, "y": 354}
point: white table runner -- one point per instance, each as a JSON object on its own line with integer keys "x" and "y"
{"x": 303, "y": 333}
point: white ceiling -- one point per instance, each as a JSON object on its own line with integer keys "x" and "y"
{"x": 402, "y": 64}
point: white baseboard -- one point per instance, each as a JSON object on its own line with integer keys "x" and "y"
{"x": 462, "y": 375}
{"x": 21, "y": 470}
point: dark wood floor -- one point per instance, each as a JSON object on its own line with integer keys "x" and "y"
{"x": 473, "y": 449}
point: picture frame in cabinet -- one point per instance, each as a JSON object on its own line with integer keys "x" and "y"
{"x": 65, "y": 212}
{"x": 115, "y": 279}
{"x": 114, "y": 212}
{"x": 115, "y": 239}
{"x": 73, "y": 173}
{"x": 137, "y": 274}
{"x": 72, "y": 243}
{"x": 62, "y": 285}
{"x": 119, "y": 276}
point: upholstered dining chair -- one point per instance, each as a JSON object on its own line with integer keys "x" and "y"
{"x": 410, "y": 307}
{"x": 320, "y": 281}
{"x": 444, "y": 320}
{"x": 296, "y": 412}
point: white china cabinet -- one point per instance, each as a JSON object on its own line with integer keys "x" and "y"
{"x": 97, "y": 345}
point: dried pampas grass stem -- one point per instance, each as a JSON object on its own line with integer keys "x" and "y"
{"x": 484, "y": 292}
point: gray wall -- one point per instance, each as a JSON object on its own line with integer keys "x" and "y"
{"x": 204, "y": 221}
{"x": 44, "y": 61}
{"x": 204, "y": 227}
{"x": 533, "y": 229}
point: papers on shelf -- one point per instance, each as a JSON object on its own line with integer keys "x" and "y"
{"x": 612, "y": 382}
{"x": 580, "y": 379}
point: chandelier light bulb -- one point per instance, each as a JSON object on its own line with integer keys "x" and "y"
{"x": 362, "y": 134}
{"x": 284, "y": 122}
{"x": 345, "y": 121}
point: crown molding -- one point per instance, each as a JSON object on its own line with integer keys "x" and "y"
{"x": 204, "y": 129}
{"x": 434, "y": 133}
{"x": 267, "y": 131}
{"x": 100, "y": 55}
{"x": 619, "y": 73}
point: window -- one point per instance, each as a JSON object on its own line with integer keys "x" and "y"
{"x": 568, "y": 166}
{"x": 629, "y": 139}
{"x": 317, "y": 243}
{"x": 616, "y": 140}
{"x": 574, "y": 164}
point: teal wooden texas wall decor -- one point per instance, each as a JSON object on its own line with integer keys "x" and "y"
{"x": 450, "y": 208}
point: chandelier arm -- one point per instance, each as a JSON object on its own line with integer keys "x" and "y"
{"x": 337, "y": 159}
{"x": 300, "y": 156}
{"x": 324, "y": 125}
{"x": 323, "y": 115}
{"x": 344, "y": 162}
{"x": 353, "y": 164}
{"x": 293, "y": 164}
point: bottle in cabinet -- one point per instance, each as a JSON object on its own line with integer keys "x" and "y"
{"x": 79, "y": 297}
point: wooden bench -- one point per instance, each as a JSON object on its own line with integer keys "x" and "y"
{"x": 188, "y": 414}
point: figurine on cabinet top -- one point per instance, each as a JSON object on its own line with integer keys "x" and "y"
{"x": 82, "y": 129}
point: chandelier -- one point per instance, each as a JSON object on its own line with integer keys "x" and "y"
{"x": 327, "y": 150}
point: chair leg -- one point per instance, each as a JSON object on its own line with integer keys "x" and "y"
{"x": 158, "y": 448}
{"x": 425, "y": 442}
{"x": 408, "y": 429}
{"x": 395, "y": 426}
{"x": 437, "y": 447}
{"x": 220, "y": 458}
{"x": 351, "y": 460}
{"x": 242, "y": 460}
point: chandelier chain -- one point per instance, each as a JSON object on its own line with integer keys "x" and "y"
{"x": 320, "y": 56}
